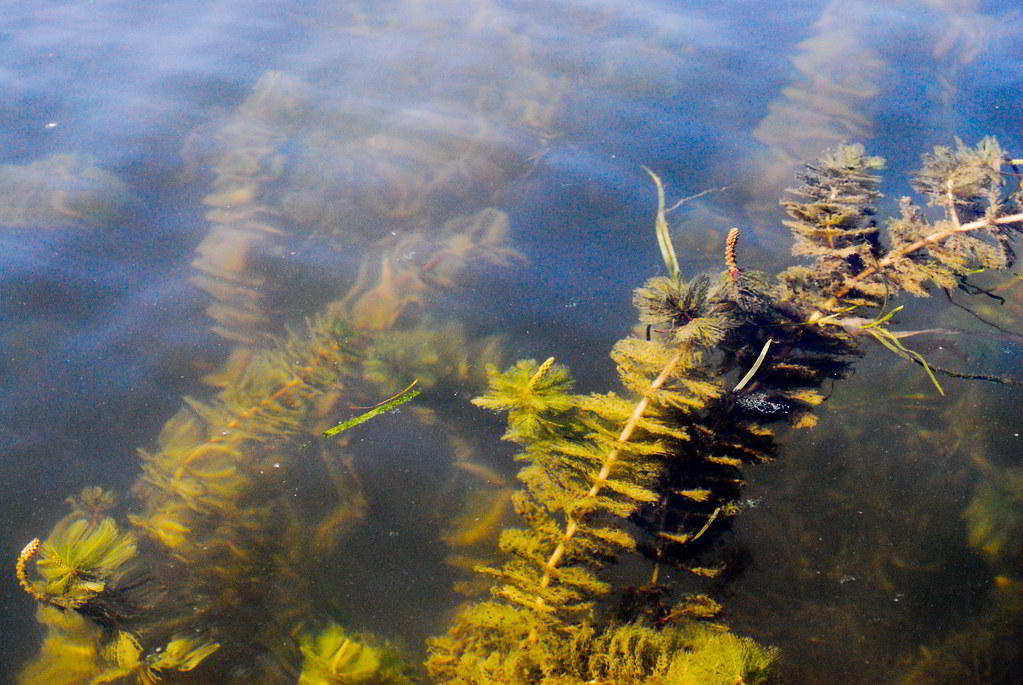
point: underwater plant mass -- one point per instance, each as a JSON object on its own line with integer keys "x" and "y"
{"x": 609, "y": 571}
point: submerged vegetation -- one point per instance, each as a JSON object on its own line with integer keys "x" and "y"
{"x": 219, "y": 577}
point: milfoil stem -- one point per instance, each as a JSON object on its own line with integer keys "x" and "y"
{"x": 901, "y": 253}
{"x": 572, "y": 524}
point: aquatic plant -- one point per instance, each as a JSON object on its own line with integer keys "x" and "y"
{"x": 994, "y": 518}
{"x": 217, "y": 522}
{"x": 838, "y": 72}
{"x": 406, "y": 395}
{"x": 69, "y": 654}
{"x": 127, "y": 661}
{"x": 593, "y": 461}
{"x": 80, "y": 564}
{"x": 211, "y": 497}
{"x": 333, "y": 657}
{"x": 630, "y": 654}
{"x": 654, "y": 469}
{"x": 232, "y": 259}
{"x": 439, "y": 355}
{"x": 63, "y": 191}
{"x": 76, "y": 651}
{"x": 85, "y": 566}
{"x": 667, "y": 460}
{"x": 833, "y": 222}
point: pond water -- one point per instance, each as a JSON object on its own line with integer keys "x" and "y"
{"x": 462, "y": 180}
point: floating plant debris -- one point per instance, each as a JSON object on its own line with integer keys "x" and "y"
{"x": 406, "y": 395}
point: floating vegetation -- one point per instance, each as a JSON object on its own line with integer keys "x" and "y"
{"x": 833, "y": 223}
{"x": 406, "y": 395}
{"x": 839, "y": 71}
{"x": 654, "y": 470}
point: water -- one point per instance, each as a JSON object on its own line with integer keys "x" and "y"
{"x": 260, "y": 156}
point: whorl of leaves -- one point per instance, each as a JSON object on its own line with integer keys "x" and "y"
{"x": 684, "y": 313}
{"x": 969, "y": 179}
{"x": 833, "y": 213}
{"x": 836, "y": 226}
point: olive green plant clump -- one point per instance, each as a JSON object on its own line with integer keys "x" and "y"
{"x": 220, "y": 571}
{"x": 657, "y": 470}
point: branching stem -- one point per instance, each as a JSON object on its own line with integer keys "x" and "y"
{"x": 572, "y": 524}
{"x": 902, "y": 252}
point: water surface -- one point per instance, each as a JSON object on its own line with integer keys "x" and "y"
{"x": 184, "y": 180}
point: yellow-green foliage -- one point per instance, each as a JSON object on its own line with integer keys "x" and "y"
{"x": 127, "y": 663}
{"x": 660, "y": 460}
{"x": 91, "y": 504}
{"x": 689, "y": 654}
{"x": 489, "y": 642}
{"x": 534, "y": 397}
{"x": 332, "y": 657}
{"x": 833, "y": 222}
{"x": 278, "y": 388}
{"x": 710, "y": 657}
{"x": 431, "y": 355}
{"x": 579, "y": 478}
{"x": 213, "y": 456}
{"x": 74, "y": 653}
{"x": 639, "y": 361}
{"x": 182, "y": 654}
{"x": 994, "y": 518}
{"x": 591, "y": 461}
{"x": 70, "y": 651}
{"x": 79, "y": 561}
{"x": 840, "y": 188}
{"x": 490, "y": 648}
